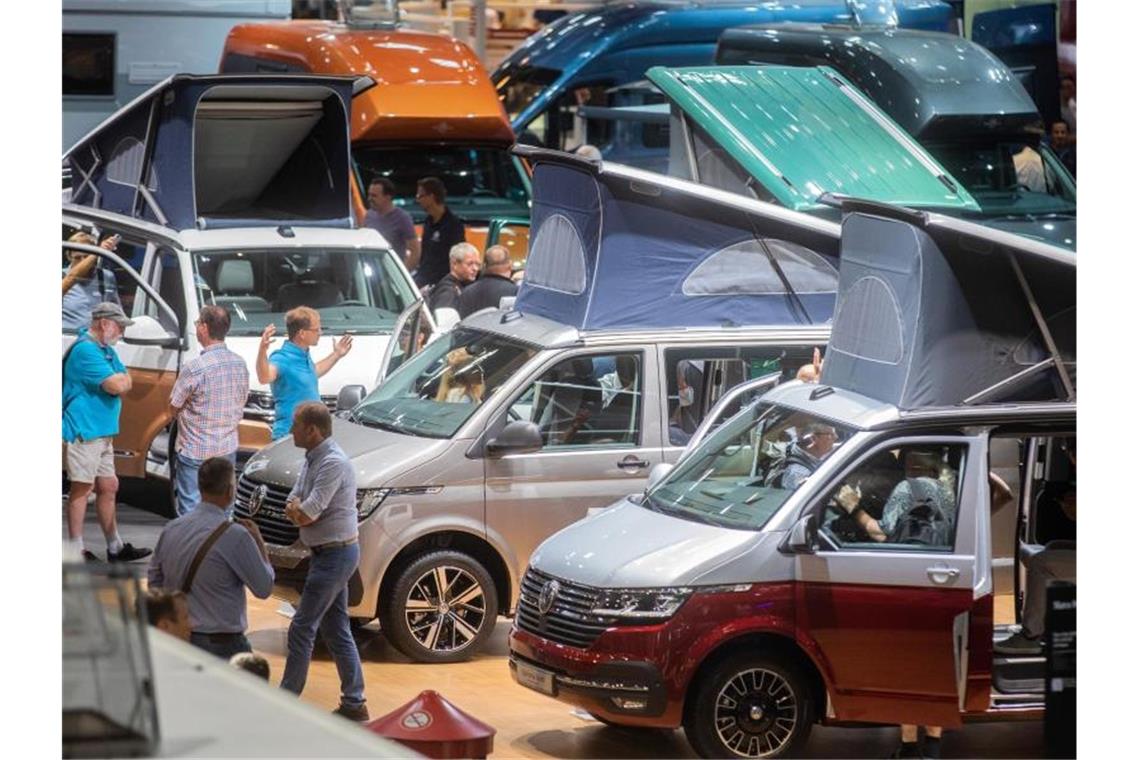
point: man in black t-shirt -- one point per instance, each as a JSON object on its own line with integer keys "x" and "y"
{"x": 442, "y": 230}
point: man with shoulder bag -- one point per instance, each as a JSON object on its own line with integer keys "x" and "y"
{"x": 213, "y": 562}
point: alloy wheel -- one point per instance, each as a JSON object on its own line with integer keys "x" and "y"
{"x": 445, "y": 609}
{"x": 755, "y": 713}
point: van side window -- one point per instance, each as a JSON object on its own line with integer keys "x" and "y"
{"x": 695, "y": 378}
{"x": 108, "y": 282}
{"x": 166, "y": 279}
{"x": 899, "y": 499}
{"x": 586, "y": 401}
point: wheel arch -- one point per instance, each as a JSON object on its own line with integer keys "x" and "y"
{"x": 768, "y": 643}
{"x": 454, "y": 540}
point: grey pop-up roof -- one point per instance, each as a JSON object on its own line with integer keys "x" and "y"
{"x": 224, "y": 151}
{"x": 934, "y": 311}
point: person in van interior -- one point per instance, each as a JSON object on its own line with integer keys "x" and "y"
{"x": 442, "y": 230}
{"x": 803, "y": 457}
{"x": 493, "y": 286}
{"x": 686, "y": 416}
{"x": 290, "y": 371}
{"x": 391, "y": 221}
{"x": 465, "y": 261}
{"x": 922, "y": 485}
{"x": 86, "y": 284}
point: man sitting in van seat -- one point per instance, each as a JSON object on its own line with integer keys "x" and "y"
{"x": 920, "y": 509}
{"x": 804, "y": 456}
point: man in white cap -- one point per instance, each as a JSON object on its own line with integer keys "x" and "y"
{"x": 93, "y": 380}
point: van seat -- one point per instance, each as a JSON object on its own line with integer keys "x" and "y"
{"x": 236, "y": 287}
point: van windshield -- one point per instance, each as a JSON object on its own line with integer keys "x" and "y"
{"x": 741, "y": 474}
{"x": 482, "y": 182}
{"x": 358, "y": 290}
{"x": 441, "y": 387}
{"x": 1009, "y": 177}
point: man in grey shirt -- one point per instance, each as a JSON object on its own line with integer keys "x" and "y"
{"x": 237, "y": 560}
{"x": 323, "y": 505}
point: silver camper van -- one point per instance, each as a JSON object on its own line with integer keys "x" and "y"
{"x": 646, "y": 299}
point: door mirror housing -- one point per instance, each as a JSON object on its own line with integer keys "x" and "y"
{"x": 349, "y": 396}
{"x": 658, "y": 473}
{"x": 803, "y": 538}
{"x": 146, "y": 331}
{"x": 518, "y": 437}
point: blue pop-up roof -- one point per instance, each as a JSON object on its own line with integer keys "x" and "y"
{"x": 614, "y": 247}
{"x": 218, "y": 151}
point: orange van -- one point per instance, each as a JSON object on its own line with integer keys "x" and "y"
{"x": 434, "y": 113}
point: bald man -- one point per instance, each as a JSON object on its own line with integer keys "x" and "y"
{"x": 494, "y": 285}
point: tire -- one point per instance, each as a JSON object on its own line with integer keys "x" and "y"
{"x": 415, "y": 622}
{"x": 750, "y": 705}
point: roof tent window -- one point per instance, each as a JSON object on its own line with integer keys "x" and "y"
{"x": 125, "y": 164}
{"x": 745, "y": 268}
{"x": 868, "y": 323}
{"x": 88, "y": 64}
{"x": 557, "y": 261}
{"x": 266, "y": 154}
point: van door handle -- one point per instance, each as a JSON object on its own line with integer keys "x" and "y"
{"x": 942, "y": 574}
{"x": 631, "y": 462}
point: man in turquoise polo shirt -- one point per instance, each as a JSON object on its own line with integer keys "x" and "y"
{"x": 290, "y": 371}
{"x": 93, "y": 380}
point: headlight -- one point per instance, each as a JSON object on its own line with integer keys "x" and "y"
{"x": 368, "y": 499}
{"x": 641, "y": 604}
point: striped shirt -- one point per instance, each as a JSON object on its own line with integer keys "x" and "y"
{"x": 211, "y": 390}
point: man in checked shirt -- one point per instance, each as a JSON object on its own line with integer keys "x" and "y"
{"x": 208, "y": 400}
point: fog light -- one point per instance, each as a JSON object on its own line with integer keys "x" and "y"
{"x": 629, "y": 703}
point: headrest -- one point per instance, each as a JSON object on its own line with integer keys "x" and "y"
{"x": 235, "y": 277}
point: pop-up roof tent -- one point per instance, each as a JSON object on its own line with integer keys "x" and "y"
{"x": 935, "y": 311}
{"x": 613, "y": 247}
{"x": 224, "y": 151}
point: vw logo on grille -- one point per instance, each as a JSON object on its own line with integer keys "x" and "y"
{"x": 547, "y": 596}
{"x": 257, "y": 499}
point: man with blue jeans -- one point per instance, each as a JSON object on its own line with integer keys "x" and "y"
{"x": 208, "y": 400}
{"x": 323, "y": 505}
{"x": 290, "y": 371}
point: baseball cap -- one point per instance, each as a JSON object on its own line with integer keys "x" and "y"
{"x": 112, "y": 311}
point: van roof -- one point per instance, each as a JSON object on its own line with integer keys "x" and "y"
{"x": 431, "y": 88}
{"x": 803, "y": 131}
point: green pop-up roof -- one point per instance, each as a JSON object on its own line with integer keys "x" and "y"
{"x": 804, "y": 131}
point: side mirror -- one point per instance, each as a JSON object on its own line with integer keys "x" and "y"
{"x": 658, "y": 473}
{"x": 803, "y": 538}
{"x": 146, "y": 331}
{"x": 349, "y": 396}
{"x": 446, "y": 318}
{"x": 518, "y": 437}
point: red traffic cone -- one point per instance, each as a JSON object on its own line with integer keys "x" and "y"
{"x": 434, "y": 727}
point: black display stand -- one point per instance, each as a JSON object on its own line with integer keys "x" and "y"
{"x": 1061, "y": 670}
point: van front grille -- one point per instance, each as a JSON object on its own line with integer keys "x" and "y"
{"x": 568, "y": 621}
{"x": 270, "y": 519}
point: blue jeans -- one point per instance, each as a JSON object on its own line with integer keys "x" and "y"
{"x": 324, "y": 606}
{"x": 186, "y": 482}
{"x": 224, "y": 647}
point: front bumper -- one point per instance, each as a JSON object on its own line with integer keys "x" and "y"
{"x": 609, "y": 689}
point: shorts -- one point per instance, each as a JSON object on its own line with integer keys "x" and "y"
{"x": 87, "y": 460}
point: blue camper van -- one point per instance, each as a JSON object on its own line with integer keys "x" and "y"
{"x": 592, "y": 57}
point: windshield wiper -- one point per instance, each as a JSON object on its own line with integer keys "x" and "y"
{"x": 380, "y": 425}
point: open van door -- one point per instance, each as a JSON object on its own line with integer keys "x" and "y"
{"x": 151, "y": 349}
{"x": 413, "y": 331}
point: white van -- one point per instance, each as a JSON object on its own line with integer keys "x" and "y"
{"x": 264, "y": 226}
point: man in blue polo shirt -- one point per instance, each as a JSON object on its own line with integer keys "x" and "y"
{"x": 93, "y": 380}
{"x": 290, "y": 371}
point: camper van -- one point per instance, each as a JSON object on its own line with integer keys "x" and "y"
{"x": 580, "y": 58}
{"x": 114, "y": 51}
{"x": 434, "y": 113}
{"x": 963, "y": 105}
{"x": 646, "y": 299}
{"x": 233, "y": 191}
{"x": 827, "y": 555}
